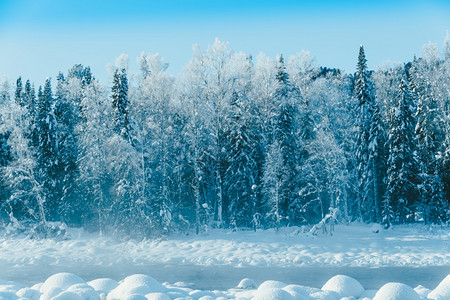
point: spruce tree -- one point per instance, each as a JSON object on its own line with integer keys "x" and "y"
{"x": 46, "y": 150}
{"x": 19, "y": 94}
{"x": 401, "y": 172}
{"x": 30, "y": 99}
{"x": 120, "y": 103}
{"x": 368, "y": 144}
{"x": 429, "y": 137}
{"x": 66, "y": 152}
{"x": 285, "y": 133}
{"x": 240, "y": 176}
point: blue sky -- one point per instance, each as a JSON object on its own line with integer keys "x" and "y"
{"x": 38, "y": 38}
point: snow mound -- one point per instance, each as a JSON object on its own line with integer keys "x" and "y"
{"x": 103, "y": 285}
{"x": 422, "y": 291}
{"x": 324, "y": 295}
{"x": 137, "y": 284}
{"x": 67, "y": 286}
{"x": 84, "y": 290}
{"x": 157, "y": 296}
{"x": 368, "y": 294}
{"x": 246, "y": 283}
{"x": 396, "y": 291}
{"x": 344, "y": 286}
{"x": 272, "y": 294}
{"x": 133, "y": 297}
{"x": 271, "y": 284}
{"x": 197, "y": 294}
{"x": 66, "y": 295}
{"x": 207, "y": 298}
{"x": 28, "y": 293}
{"x": 51, "y": 293}
{"x": 300, "y": 291}
{"x": 442, "y": 291}
{"x": 60, "y": 281}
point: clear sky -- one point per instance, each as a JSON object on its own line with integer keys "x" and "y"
{"x": 39, "y": 38}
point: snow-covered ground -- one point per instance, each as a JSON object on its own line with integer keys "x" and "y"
{"x": 67, "y": 286}
{"x": 31, "y": 262}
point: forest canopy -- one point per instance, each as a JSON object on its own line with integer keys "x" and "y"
{"x": 233, "y": 142}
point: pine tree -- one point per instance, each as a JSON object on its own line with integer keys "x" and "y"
{"x": 429, "y": 137}
{"x": 400, "y": 193}
{"x": 46, "y": 150}
{"x": 120, "y": 103}
{"x": 19, "y": 94}
{"x": 368, "y": 145}
{"x": 240, "y": 177}
{"x": 5, "y": 153}
{"x": 286, "y": 118}
{"x": 30, "y": 99}
{"x": 66, "y": 152}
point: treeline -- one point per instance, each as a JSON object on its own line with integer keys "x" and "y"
{"x": 233, "y": 142}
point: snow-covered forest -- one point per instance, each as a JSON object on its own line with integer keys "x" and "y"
{"x": 234, "y": 141}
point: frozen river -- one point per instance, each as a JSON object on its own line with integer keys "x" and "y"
{"x": 225, "y": 277}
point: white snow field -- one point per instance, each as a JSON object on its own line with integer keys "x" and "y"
{"x": 406, "y": 262}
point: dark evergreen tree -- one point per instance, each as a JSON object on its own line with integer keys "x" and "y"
{"x": 369, "y": 143}
{"x": 429, "y": 135}
{"x": 19, "y": 94}
{"x": 46, "y": 168}
{"x": 303, "y": 207}
{"x": 30, "y": 99}
{"x": 5, "y": 158}
{"x": 401, "y": 172}
{"x": 285, "y": 133}
{"x": 66, "y": 153}
{"x": 120, "y": 103}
